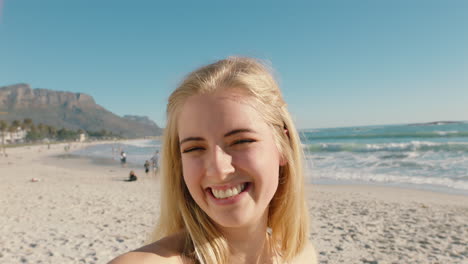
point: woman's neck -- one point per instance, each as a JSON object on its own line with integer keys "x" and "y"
{"x": 249, "y": 244}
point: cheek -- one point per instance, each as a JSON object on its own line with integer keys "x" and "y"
{"x": 262, "y": 163}
{"x": 191, "y": 170}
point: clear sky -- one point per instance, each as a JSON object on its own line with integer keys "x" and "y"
{"x": 340, "y": 63}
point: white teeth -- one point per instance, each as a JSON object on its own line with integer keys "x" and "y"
{"x": 221, "y": 194}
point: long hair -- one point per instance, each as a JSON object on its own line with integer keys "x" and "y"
{"x": 288, "y": 215}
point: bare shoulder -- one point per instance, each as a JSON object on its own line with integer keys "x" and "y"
{"x": 308, "y": 255}
{"x": 167, "y": 250}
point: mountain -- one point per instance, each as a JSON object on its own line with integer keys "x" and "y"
{"x": 69, "y": 110}
{"x": 140, "y": 119}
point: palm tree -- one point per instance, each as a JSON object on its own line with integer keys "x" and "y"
{"x": 103, "y": 132}
{"x": 41, "y": 127}
{"x": 51, "y": 131}
{"x": 15, "y": 124}
{"x": 43, "y": 130}
{"x": 3, "y": 129}
{"x": 27, "y": 123}
{"x": 12, "y": 129}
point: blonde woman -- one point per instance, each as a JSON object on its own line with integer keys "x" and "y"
{"x": 232, "y": 179}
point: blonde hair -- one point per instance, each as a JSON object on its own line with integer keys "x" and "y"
{"x": 288, "y": 216}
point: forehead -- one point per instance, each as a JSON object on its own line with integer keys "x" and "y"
{"x": 217, "y": 114}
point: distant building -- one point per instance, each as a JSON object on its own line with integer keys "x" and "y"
{"x": 82, "y": 137}
{"x": 14, "y": 137}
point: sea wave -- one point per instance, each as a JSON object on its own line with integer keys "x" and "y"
{"x": 142, "y": 143}
{"x": 394, "y": 179}
{"x": 413, "y": 146}
{"x": 388, "y": 135}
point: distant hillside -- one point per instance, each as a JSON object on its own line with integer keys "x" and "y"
{"x": 69, "y": 110}
{"x": 437, "y": 123}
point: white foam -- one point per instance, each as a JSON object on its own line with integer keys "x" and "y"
{"x": 143, "y": 143}
{"x": 384, "y": 178}
{"x": 444, "y": 133}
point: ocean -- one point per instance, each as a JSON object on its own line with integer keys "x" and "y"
{"x": 431, "y": 156}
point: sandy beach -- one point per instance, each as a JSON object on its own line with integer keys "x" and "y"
{"x": 81, "y": 211}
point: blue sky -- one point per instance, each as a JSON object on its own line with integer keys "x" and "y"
{"x": 340, "y": 63}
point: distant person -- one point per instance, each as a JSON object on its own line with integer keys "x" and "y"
{"x": 132, "y": 176}
{"x": 155, "y": 161}
{"x": 123, "y": 158}
{"x": 147, "y": 167}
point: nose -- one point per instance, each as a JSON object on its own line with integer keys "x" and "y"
{"x": 219, "y": 164}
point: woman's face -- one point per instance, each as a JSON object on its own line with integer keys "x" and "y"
{"x": 230, "y": 160}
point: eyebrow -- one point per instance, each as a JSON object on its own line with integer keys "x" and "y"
{"x": 228, "y": 134}
{"x": 241, "y": 130}
{"x": 190, "y": 139}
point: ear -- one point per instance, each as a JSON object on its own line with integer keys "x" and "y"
{"x": 283, "y": 161}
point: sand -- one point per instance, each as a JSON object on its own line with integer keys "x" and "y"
{"x": 83, "y": 212}
{"x": 369, "y": 224}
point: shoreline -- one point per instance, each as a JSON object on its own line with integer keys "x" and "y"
{"x": 80, "y": 211}
{"x": 402, "y": 186}
{"x": 337, "y": 186}
{"x": 376, "y": 189}
{"x": 325, "y": 182}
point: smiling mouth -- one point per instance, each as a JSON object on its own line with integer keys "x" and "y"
{"x": 230, "y": 192}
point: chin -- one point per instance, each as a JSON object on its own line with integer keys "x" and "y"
{"x": 233, "y": 220}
